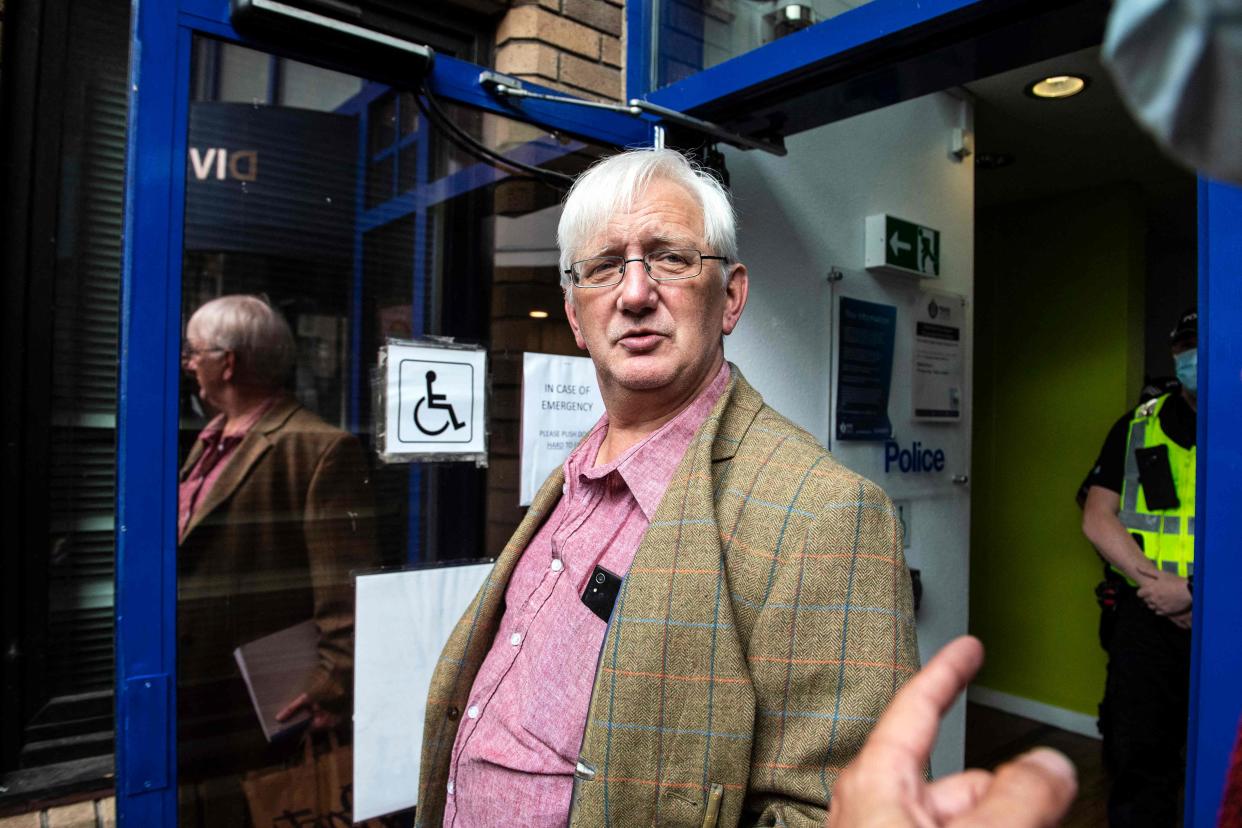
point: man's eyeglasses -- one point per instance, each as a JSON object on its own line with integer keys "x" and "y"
{"x": 661, "y": 265}
{"x": 188, "y": 354}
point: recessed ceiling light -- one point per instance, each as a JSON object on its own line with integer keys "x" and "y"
{"x": 538, "y": 314}
{"x": 1057, "y": 86}
{"x": 993, "y": 160}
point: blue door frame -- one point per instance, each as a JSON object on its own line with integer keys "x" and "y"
{"x": 150, "y": 347}
{"x": 1216, "y": 656}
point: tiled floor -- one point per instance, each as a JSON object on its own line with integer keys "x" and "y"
{"x": 993, "y": 736}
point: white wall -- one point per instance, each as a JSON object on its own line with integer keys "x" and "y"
{"x": 801, "y": 216}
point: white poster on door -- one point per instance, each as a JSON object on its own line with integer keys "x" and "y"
{"x": 403, "y": 620}
{"x": 560, "y": 403}
{"x": 936, "y": 377}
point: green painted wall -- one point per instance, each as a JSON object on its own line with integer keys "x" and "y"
{"x": 1059, "y": 290}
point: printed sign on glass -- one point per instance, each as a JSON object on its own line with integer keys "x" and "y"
{"x": 560, "y": 403}
{"x": 433, "y": 399}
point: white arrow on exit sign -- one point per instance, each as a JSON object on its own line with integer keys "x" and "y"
{"x": 898, "y": 246}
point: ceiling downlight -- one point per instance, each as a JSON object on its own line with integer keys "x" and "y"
{"x": 1057, "y": 87}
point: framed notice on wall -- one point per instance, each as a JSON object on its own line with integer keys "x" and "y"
{"x": 867, "y": 331}
{"x": 937, "y": 373}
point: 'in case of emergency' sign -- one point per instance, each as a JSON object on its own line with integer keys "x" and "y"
{"x": 433, "y": 402}
{"x": 898, "y": 246}
{"x": 560, "y": 403}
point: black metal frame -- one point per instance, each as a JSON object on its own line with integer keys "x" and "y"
{"x": 34, "y": 74}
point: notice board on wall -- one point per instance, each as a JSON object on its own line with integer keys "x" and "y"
{"x": 867, "y": 331}
{"x": 936, "y": 375}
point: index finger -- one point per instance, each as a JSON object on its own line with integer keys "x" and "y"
{"x": 913, "y": 716}
{"x": 292, "y": 707}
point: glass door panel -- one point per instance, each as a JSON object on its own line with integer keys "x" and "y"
{"x": 324, "y": 214}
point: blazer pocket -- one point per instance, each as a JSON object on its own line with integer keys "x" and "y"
{"x": 679, "y": 808}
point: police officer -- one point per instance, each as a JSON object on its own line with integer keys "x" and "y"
{"x": 1140, "y": 515}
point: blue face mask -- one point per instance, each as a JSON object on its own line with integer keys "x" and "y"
{"x": 1188, "y": 369}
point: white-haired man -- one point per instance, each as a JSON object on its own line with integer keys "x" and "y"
{"x": 274, "y": 512}
{"x": 702, "y": 614}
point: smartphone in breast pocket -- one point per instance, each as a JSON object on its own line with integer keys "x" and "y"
{"x": 601, "y": 592}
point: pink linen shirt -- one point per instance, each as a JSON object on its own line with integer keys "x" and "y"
{"x": 514, "y": 757}
{"x": 218, "y": 447}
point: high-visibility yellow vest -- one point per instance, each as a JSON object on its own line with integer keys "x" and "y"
{"x": 1167, "y": 536}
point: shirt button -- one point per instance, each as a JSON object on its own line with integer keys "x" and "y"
{"x": 515, "y": 639}
{"x": 473, "y": 711}
{"x": 557, "y": 565}
{"x": 450, "y": 787}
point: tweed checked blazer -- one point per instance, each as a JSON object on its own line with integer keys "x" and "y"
{"x": 763, "y": 626}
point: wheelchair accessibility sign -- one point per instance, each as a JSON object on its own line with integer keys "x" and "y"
{"x": 435, "y": 410}
{"x": 434, "y": 402}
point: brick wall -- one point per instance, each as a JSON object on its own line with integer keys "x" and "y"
{"x": 571, "y": 45}
{"x": 100, "y": 813}
{"x": 575, "y": 46}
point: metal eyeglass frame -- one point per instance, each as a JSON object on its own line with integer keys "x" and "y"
{"x": 622, "y": 262}
{"x": 188, "y": 354}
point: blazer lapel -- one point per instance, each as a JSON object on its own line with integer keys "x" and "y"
{"x": 253, "y": 446}
{"x": 196, "y": 451}
{"x": 672, "y": 626}
{"x": 743, "y": 405}
{"x": 541, "y": 506}
{"x": 690, "y": 491}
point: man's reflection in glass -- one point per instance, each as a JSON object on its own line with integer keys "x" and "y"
{"x": 274, "y": 511}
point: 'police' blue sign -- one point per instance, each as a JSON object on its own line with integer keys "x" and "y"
{"x": 914, "y": 459}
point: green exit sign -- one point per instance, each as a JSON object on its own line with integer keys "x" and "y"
{"x": 898, "y": 246}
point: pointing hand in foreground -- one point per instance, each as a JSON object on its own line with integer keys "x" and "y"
{"x": 884, "y": 786}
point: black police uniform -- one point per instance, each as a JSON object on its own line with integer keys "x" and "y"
{"x": 1143, "y": 715}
